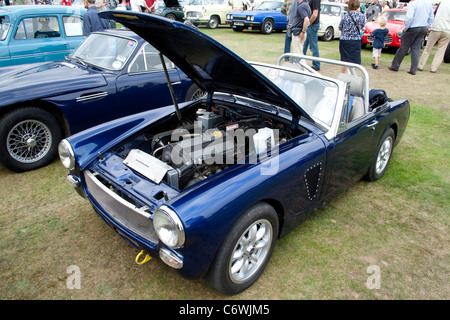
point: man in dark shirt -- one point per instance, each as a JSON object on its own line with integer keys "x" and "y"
{"x": 91, "y": 21}
{"x": 299, "y": 25}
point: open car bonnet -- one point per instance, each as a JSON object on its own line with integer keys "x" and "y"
{"x": 208, "y": 63}
{"x": 171, "y": 3}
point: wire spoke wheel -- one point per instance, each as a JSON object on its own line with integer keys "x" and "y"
{"x": 29, "y": 141}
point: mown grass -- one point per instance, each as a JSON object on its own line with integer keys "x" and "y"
{"x": 399, "y": 223}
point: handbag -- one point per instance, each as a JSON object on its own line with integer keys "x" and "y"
{"x": 361, "y": 32}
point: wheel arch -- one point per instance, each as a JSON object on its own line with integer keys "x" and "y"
{"x": 49, "y": 107}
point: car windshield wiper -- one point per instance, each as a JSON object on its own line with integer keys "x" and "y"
{"x": 79, "y": 60}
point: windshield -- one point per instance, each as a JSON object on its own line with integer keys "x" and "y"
{"x": 269, "y": 5}
{"x": 394, "y": 15}
{"x": 4, "y": 27}
{"x": 330, "y": 10}
{"x": 105, "y": 51}
{"x": 315, "y": 96}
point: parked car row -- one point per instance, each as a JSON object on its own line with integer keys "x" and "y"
{"x": 111, "y": 74}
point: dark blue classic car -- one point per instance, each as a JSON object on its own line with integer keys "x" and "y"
{"x": 30, "y": 34}
{"x": 266, "y": 18}
{"x": 112, "y": 74}
{"x": 209, "y": 186}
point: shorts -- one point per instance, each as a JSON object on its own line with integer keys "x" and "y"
{"x": 376, "y": 53}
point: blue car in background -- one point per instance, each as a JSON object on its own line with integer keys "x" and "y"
{"x": 266, "y": 18}
{"x": 31, "y": 34}
{"x": 112, "y": 74}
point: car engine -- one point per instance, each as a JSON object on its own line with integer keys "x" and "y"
{"x": 209, "y": 143}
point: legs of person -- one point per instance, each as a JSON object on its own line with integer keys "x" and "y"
{"x": 407, "y": 39}
{"x": 297, "y": 44}
{"x": 313, "y": 42}
{"x": 416, "y": 46}
{"x": 287, "y": 43}
{"x": 433, "y": 37}
{"x": 442, "y": 44}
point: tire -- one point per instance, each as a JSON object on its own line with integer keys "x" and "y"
{"x": 29, "y": 139}
{"x": 194, "y": 93}
{"x": 246, "y": 250}
{"x": 382, "y": 156}
{"x": 171, "y": 16}
{"x": 267, "y": 26}
{"x": 213, "y": 22}
{"x": 328, "y": 35}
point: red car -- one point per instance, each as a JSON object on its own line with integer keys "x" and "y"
{"x": 395, "y": 23}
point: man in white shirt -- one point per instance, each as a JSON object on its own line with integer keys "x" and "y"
{"x": 440, "y": 34}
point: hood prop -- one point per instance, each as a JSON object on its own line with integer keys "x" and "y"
{"x": 169, "y": 84}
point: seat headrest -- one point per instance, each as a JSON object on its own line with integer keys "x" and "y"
{"x": 356, "y": 83}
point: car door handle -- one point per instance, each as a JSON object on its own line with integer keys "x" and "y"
{"x": 372, "y": 125}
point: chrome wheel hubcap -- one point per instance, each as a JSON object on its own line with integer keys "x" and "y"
{"x": 250, "y": 251}
{"x": 384, "y": 155}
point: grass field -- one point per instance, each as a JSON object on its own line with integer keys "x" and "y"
{"x": 400, "y": 224}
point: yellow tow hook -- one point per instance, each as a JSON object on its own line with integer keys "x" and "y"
{"x": 146, "y": 258}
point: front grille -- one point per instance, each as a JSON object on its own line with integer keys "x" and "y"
{"x": 239, "y": 18}
{"x": 194, "y": 14}
{"x": 120, "y": 207}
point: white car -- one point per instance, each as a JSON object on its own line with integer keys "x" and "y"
{"x": 211, "y": 13}
{"x": 330, "y": 16}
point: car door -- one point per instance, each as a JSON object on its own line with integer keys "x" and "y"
{"x": 353, "y": 148}
{"x": 38, "y": 39}
{"x": 73, "y": 30}
{"x": 144, "y": 86}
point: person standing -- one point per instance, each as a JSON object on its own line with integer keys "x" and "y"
{"x": 299, "y": 25}
{"x": 312, "y": 38}
{"x": 288, "y": 9}
{"x": 351, "y": 25}
{"x": 379, "y": 36}
{"x": 91, "y": 20}
{"x": 440, "y": 34}
{"x": 419, "y": 16}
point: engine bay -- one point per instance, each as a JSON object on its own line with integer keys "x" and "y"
{"x": 206, "y": 142}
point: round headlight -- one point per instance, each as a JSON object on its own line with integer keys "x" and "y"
{"x": 66, "y": 154}
{"x": 168, "y": 227}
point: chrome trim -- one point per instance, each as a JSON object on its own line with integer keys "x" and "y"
{"x": 177, "y": 223}
{"x": 170, "y": 258}
{"x": 123, "y": 212}
{"x": 97, "y": 95}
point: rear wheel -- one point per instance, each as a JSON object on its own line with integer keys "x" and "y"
{"x": 267, "y": 26}
{"x": 382, "y": 156}
{"x": 245, "y": 251}
{"x": 29, "y": 139}
{"x": 328, "y": 35}
{"x": 194, "y": 93}
{"x": 213, "y": 22}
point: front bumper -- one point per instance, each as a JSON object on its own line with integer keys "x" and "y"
{"x": 133, "y": 224}
{"x": 244, "y": 24}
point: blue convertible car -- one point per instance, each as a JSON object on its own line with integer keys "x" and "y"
{"x": 112, "y": 74}
{"x": 266, "y": 18}
{"x": 210, "y": 185}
